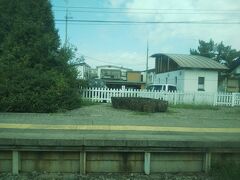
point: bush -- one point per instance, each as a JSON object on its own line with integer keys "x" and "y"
{"x": 35, "y": 71}
{"x": 140, "y": 104}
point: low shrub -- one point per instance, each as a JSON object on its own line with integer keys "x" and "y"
{"x": 140, "y": 104}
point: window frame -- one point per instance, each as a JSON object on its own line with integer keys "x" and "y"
{"x": 201, "y": 83}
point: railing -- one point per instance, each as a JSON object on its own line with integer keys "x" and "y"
{"x": 198, "y": 98}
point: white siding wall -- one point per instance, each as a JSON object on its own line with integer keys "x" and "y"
{"x": 83, "y": 72}
{"x": 150, "y": 77}
{"x": 191, "y": 80}
{"x": 143, "y": 74}
{"x": 174, "y": 77}
{"x": 80, "y": 70}
{"x": 187, "y": 80}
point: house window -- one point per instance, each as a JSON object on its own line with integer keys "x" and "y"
{"x": 159, "y": 80}
{"x": 201, "y": 82}
{"x": 166, "y": 80}
{"x": 176, "y": 80}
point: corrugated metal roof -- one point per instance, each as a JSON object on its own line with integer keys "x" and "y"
{"x": 193, "y": 61}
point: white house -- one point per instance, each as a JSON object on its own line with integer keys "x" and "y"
{"x": 189, "y": 73}
{"x": 112, "y": 72}
{"x": 232, "y": 80}
{"x": 235, "y": 67}
{"x": 148, "y": 76}
{"x": 84, "y": 70}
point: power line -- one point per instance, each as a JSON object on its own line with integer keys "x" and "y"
{"x": 98, "y": 60}
{"x": 107, "y": 61}
{"x": 152, "y": 13}
{"x": 148, "y": 9}
{"x": 146, "y": 22}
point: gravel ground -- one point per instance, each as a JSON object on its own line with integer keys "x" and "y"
{"x": 105, "y": 114}
{"x": 163, "y": 176}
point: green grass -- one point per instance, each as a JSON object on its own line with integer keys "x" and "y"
{"x": 171, "y": 111}
{"x": 142, "y": 113}
{"x": 194, "y": 107}
{"x": 88, "y": 103}
{"x": 235, "y": 110}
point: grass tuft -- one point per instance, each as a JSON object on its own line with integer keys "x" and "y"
{"x": 88, "y": 103}
{"x": 194, "y": 107}
{"x": 142, "y": 113}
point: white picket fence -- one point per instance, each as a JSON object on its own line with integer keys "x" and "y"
{"x": 198, "y": 98}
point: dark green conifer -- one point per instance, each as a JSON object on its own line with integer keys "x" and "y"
{"x": 34, "y": 72}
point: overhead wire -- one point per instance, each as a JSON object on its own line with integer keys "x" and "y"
{"x": 143, "y": 11}
{"x": 147, "y": 9}
{"x": 146, "y": 22}
{"x": 122, "y": 22}
{"x": 151, "y": 13}
{"x": 108, "y": 62}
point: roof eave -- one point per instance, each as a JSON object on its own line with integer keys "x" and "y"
{"x": 210, "y": 69}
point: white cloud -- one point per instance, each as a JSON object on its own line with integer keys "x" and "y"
{"x": 163, "y": 34}
{"x": 169, "y": 38}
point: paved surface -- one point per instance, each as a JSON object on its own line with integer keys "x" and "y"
{"x": 102, "y": 122}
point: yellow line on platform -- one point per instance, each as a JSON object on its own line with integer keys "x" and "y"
{"x": 118, "y": 128}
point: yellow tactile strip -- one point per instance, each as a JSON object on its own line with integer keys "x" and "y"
{"x": 118, "y": 128}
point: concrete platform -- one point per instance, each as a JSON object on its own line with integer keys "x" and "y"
{"x": 99, "y": 139}
{"x": 101, "y": 125}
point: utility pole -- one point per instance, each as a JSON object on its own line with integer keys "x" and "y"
{"x": 66, "y": 24}
{"x": 67, "y": 17}
{"x": 66, "y": 28}
{"x": 147, "y": 64}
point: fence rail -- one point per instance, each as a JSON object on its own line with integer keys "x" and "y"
{"x": 198, "y": 98}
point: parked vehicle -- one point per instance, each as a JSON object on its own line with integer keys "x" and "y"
{"x": 162, "y": 87}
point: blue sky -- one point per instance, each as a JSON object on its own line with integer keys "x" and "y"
{"x": 125, "y": 45}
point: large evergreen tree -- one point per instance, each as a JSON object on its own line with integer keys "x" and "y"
{"x": 216, "y": 51}
{"x": 34, "y": 72}
{"x": 205, "y": 49}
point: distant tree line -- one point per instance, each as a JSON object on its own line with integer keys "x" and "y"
{"x": 35, "y": 75}
{"x": 216, "y": 51}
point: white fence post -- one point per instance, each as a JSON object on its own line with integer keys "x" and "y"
{"x": 105, "y": 94}
{"x": 215, "y": 99}
{"x": 233, "y": 99}
{"x": 175, "y": 98}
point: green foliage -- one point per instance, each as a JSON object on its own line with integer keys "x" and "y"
{"x": 35, "y": 75}
{"x": 206, "y": 49}
{"x": 83, "y": 83}
{"x": 140, "y": 104}
{"x": 225, "y": 171}
{"x": 216, "y": 51}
